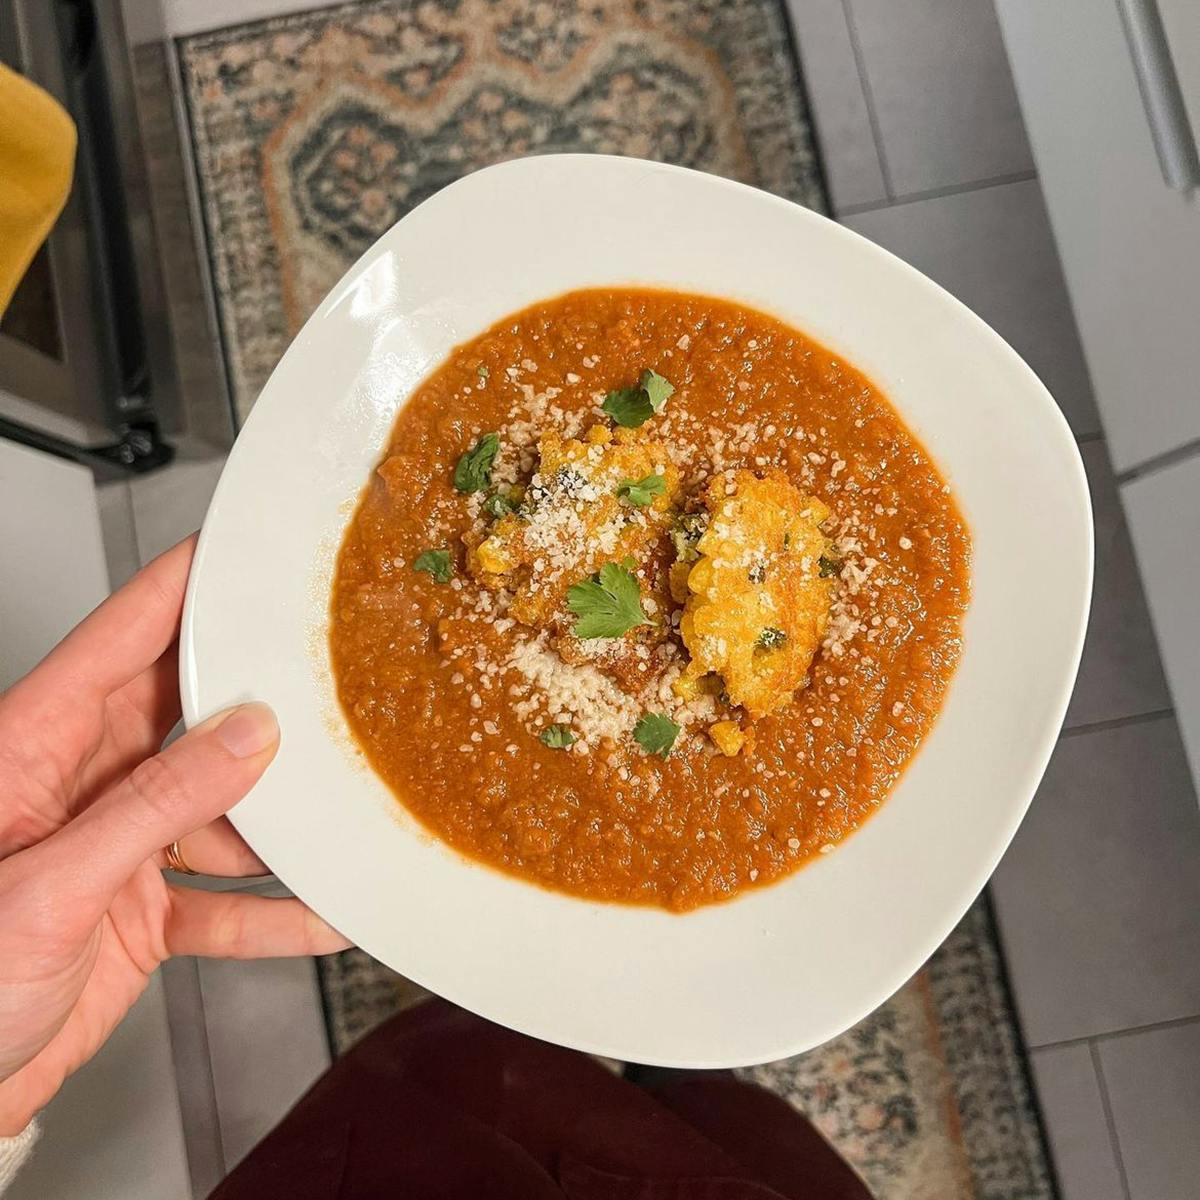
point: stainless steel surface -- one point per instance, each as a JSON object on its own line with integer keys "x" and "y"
{"x": 1174, "y": 139}
{"x": 73, "y": 386}
{"x": 114, "y": 337}
{"x": 52, "y": 420}
{"x": 162, "y": 382}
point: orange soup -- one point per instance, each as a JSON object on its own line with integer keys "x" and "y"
{"x": 651, "y": 599}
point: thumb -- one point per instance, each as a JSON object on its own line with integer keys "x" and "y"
{"x": 193, "y": 781}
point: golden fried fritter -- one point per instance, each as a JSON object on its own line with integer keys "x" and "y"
{"x": 758, "y": 600}
{"x": 590, "y": 502}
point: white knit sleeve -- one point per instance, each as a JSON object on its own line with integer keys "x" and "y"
{"x": 13, "y": 1153}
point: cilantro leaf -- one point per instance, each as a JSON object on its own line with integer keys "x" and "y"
{"x": 640, "y": 492}
{"x": 482, "y": 371}
{"x": 658, "y": 390}
{"x": 496, "y": 505}
{"x": 608, "y": 605}
{"x": 557, "y": 737}
{"x": 634, "y": 406}
{"x": 829, "y": 566}
{"x": 655, "y": 733}
{"x": 770, "y": 638}
{"x": 435, "y": 563}
{"x": 629, "y": 407}
{"x": 474, "y": 470}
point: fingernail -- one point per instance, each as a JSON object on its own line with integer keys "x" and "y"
{"x": 248, "y": 730}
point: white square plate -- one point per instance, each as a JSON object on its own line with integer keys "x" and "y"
{"x": 779, "y": 969}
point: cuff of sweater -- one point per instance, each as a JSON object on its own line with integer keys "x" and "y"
{"x": 14, "y": 1151}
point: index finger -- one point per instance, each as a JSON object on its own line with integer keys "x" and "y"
{"x": 121, "y": 638}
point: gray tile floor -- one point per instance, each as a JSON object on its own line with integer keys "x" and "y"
{"x": 1099, "y": 896}
{"x": 992, "y": 248}
{"x": 942, "y": 97}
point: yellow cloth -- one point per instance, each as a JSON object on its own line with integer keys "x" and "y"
{"x": 37, "y": 156}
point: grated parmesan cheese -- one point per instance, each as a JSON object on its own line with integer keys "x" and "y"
{"x": 597, "y": 707}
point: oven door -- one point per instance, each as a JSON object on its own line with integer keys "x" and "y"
{"x": 73, "y": 374}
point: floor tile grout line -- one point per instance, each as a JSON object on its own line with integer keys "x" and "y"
{"x": 216, "y": 1103}
{"x": 131, "y": 515}
{"x": 973, "y": 185}
{"x": 190, "y": 965}
{"x": 137, "y": 540}
{"x": 1160, "y": 462}
{"x": 1116, "y": 723}
{"x": 951, "y": 189}
{"x": 1116, "y": 1034}
{"x": 210, "y": 1083}
{"x": 1085, "y": 439}
{"x": 869, "y": 99}
{"x": 1109, "y": 1119}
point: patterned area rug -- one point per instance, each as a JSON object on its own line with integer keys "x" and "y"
{"x": 313, "y": 133}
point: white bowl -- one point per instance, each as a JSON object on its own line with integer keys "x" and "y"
{"x": 777, "y": 970}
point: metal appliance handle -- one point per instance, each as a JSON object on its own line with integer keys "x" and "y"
{"x": 1170, "y": 129}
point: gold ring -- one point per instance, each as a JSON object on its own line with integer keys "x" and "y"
{"x": 175, "y": 860}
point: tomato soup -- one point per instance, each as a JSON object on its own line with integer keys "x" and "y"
{"x": 557, "y": 639}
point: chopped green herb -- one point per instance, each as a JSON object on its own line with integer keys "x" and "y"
{"x": 557, "y": 737}
{"x": 658, "y": 389}
{"x": 689, "y": 529}
{"x": 496, "y": 505}
{"x": 630, "y": 407}
{"x": 629, "y": 563}
{"x": 634, "y": 406}
{"x": 435, "y": 563}
{"x": 787, "y": 539}
{"x": 829, "y": 566}
{"x": 771, "y": 639}
{"x": 482, "y": 371}
{"x": 640, "y": 492}
{"x": 608, "y": 605}
{"x": 474, "y": 470}
{"x": 757, "y": 572}
{"x": 655, "y": 734}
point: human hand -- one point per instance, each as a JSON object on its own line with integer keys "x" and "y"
{"x": 87, "y": 803}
